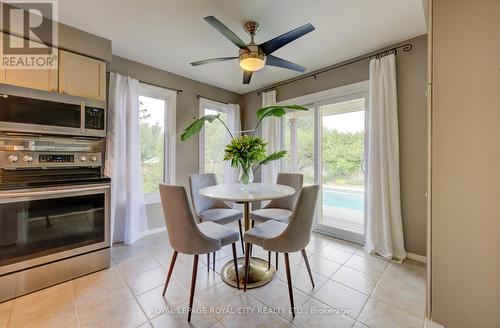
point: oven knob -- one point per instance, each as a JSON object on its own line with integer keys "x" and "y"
{"x": 93, "y": 158}
{"x": 13, "y": 159}
{"x": 28, "y": 158}
{"x": 83, "y": 158}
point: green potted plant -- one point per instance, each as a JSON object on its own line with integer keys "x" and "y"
{"x": 247, "y": 152}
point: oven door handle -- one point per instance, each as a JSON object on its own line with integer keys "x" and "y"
{"x": 51, "y": 192}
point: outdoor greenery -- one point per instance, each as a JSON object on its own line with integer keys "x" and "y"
{"x": 342, "y": 153}
{"x": 215, "y": 141}
{"x": 152, "y": 150}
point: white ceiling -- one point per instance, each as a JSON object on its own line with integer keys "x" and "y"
{"x": 169, "y": 34}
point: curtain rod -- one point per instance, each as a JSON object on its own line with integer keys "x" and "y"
{"x": 154, "y": 85}
{"x": 222, "y": 102}
{"x": 406, "y": 47}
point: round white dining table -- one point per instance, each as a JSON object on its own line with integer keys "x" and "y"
{"x": 260, "y": 271}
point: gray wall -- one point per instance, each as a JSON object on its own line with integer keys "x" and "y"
{"x": 412, "y": 104}
{"x": 465, "y": 163}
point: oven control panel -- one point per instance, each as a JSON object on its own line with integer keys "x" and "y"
{"x": 11, "y": 160}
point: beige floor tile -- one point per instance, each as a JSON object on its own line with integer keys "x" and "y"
{"x": 97, "y": 281}
{"x": 253, "y": 314}
{"x": 301, "y": 280}
{"x": 412, "y": 274}
{"x": 355, "y": 279}
{"x": 316, "y": 244}
{"x": 358, "y": 324}
{"x": 315, "y": 314}
{"x": 95, "y": 297}
{"x": 137, "y": 264}
{"x": 321, "y": 265}
{"x": 204, "y": 280}
{"x": 146, "y": 281}
{"x": 49, "y": 317}
{"x": 370, "y": 265}
{"x": 184, "y": 265}
{"x": 341, "y": 298}
{"x": 335, "y": 254}
{"x": 5, "y": 310}
{"x": 344, "y": 245}
{"x": 146, "y": 325}
{"x": 401, "y": 296}
{"x": 377, "y": 314}
{"x": 119, "y": 314}
{"x": 178, "y": 318}
{"x": 120, "y": 252}
{"x": 154, "y": 304}
{"x": 62, "y": 294}
{"x": 275, "y": 296}
{"x": 220, "y": 298}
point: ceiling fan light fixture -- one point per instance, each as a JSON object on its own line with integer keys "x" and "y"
{"x": 252, "y": 61}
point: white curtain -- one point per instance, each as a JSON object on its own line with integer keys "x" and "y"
{"x": 234, "y": 125}
{"x": 123, "y": 160}
{"x": 271, "y": 134}
{"x": 384, "y": 231}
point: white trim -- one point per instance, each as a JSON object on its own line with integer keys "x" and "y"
{"x": 416, "y": 257}
{"x": 431, "y": 324}
{"x": 211, "y": 105}
{"x": 170, "y": 98}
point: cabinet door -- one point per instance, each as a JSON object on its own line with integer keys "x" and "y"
{"x": 82, "y": 76}
{"x": 40, "y": 79}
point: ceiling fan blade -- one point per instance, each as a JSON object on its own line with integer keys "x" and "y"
{"x": 247, "y": 75}
{"x": 212, "y": 60}
{"x": 278, "y": 62}
{"x": 274, "y": 44}
{"x": 224, "y": 30}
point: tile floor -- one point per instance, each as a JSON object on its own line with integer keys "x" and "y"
{"x": 353, "y": 289}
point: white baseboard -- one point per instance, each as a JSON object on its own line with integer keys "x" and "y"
{"x": 416, "y": 257}
{"x": 431, "y": 324}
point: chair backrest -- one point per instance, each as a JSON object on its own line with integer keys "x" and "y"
{"x": 293, "y": 180}
{"x": 298, "y": 232}
{"x": 201, "y": 203}
{"x": 183, "y": 233}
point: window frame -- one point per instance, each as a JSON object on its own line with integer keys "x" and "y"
{"x": 210, "y": 105}
{"x": 169, "y": 142}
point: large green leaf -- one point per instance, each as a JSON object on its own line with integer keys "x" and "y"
{"x": 274, "y": 156}
{"x": 197, "y": 125}
{"x": 277, "y": 111}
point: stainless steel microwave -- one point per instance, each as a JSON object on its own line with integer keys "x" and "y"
{"x": 28, "y": 115}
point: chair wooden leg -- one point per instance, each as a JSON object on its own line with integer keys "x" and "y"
{"x": 241, "y": 237}
{"x": 277, "y": 261}
{"x": 235, "y": 260}
{"x": 247, "y": 264}
{"x": 304, "y": 255}
{"x": 193, "y": 285}
{"x": 253, "y": 223}
{"x": 289, "y": 280}
{"x": 170, "y": 270}
{"x": 268, "y": 260}
{"x": 208, "y": 262}
{"x": 213, "y": 264}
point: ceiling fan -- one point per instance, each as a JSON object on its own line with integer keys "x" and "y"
{"x": 252, "y": 56}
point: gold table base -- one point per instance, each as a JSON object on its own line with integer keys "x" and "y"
{"x": 259, "y": 275}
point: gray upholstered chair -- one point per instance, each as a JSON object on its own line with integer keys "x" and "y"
{"x": 212, "y": 210}
{"x": 187, "y": 237}
{"x": 281, "y": 209}
{"x": 275, "y": 236}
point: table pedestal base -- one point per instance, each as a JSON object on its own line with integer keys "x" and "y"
{"x": 258, "y": 276}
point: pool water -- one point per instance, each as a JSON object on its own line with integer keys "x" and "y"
{"x": 344, "y": 199}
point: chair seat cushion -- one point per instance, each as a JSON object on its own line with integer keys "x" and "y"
{"x": 216, "y": 231}
{"x": 266, "y": 214}
{"x": 220, "y": 215}
{"x": 266, "y": 230}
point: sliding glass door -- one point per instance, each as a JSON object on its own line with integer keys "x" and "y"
{"x": 327, "y": 145}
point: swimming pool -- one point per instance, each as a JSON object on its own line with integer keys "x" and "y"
{"x": 344, "y": 198}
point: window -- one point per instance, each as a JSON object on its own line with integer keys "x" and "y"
{"x": 157, "y": 136}
{"x": 213, "y": 139}
{"x": 327, "y": 145}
